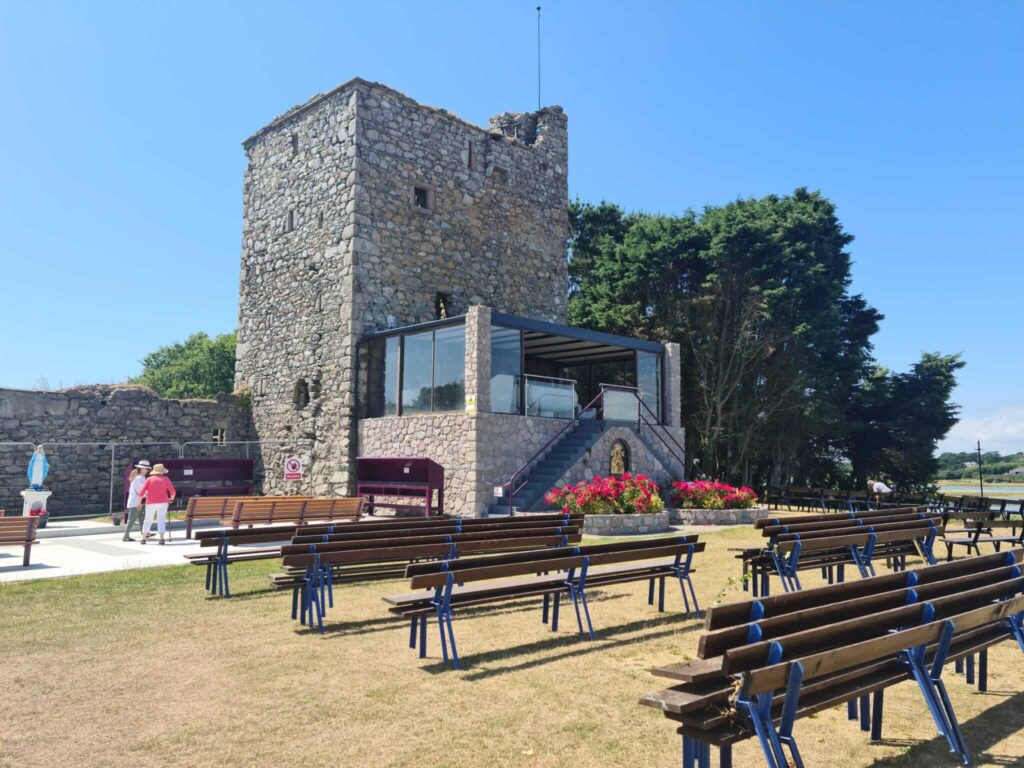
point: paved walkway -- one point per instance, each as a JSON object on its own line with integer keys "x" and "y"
{"x": 69, "y": 548}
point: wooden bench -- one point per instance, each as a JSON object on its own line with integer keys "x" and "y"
{"x": 546, "y": 574}
{"x": 830, "y": 542}
{"x": 981, "y": 531}
{"x": 764, "y": 664}
{"x": 19, "y": 532}
{"x": 217, "y": 563}
{"x": 801, "y": 497}
{"x": 268, "y": 510}
{"x": 219, "y": 508}
{"x": 311, "y": 570}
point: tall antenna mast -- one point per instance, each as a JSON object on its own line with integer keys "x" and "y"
{"x": 538, "y": 57}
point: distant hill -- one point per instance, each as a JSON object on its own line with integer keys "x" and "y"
{"x": 994, "y": 466}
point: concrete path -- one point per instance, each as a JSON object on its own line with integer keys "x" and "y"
{"x": 70, "y": 554}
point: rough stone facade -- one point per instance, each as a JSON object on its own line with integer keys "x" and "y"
{"x": 363, "y": 209}
{"x": 95, "y": 417}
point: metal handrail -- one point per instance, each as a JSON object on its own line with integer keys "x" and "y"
{"x": 570, "y": 423}
{"x": 653, "y": 424}
{"x": 681, "y": 456}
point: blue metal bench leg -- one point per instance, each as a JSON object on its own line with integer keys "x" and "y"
{"x": 851, "y": 710}
{"x": 958, "y": 666}
{"x": 661, "y": 595}
{"x": 545, "y": 610}
{"x": 725, "y": 756}
{"x": 412, "y": 632}
{"x": 423, "y": 636}
{"x": 983, "y": 671}
{"x": 295, "y": 603}
{"x": 209, "y": 574}
{"x": 865, "y": 713}
{"x": 650, "y": 592}
{"x": 970, "y": 670}
{"x": 556, "y": 600}
{"x": 876, "y": 715}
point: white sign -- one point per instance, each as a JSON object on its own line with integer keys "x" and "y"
{"x": 293, "y": 468}
{"x": 499, "y": 491}
{"x": 187, "y": 472}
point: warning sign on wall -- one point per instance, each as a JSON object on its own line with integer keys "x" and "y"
{"x": 293, "y": 468}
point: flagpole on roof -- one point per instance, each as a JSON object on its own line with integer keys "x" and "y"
{"x": 538, "y": 57}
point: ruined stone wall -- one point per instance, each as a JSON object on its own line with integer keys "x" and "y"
{"x": 495, "y": 228}
{"x": 102, "y": 415}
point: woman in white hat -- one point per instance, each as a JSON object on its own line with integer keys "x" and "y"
{"x": 158, "y": 493}
{"x": 133, "y": 508}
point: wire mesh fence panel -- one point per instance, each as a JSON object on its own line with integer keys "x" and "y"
{"x": 13, "y": 475}
{"x": 79, "y": 479}
{"x": 268, "y": 459}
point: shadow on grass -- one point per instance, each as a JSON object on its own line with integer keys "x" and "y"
{"x": 343, "y": 629}
{"x": 579, "y": 644}
{"x": 981, "y": 733}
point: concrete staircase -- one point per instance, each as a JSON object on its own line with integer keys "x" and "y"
{"x": 542, "y": 476}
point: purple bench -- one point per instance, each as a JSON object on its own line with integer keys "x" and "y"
{"x": 401, "y": 477}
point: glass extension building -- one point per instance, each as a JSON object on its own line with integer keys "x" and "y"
{"x": 486, "y": 393}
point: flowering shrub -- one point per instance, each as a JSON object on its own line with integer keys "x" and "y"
{"x": 624, "y": 495}
{"x": 704, "y": 494}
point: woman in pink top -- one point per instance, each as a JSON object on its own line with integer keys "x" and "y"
{"x": 158, "y": 493}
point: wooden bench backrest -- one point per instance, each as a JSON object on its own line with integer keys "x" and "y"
{"x": 844, "y": 522}
{"x": 861, "y": 514}
{"x": 860, "y": 529}
{"x": 18, "y": 530}
{"x": 295, "y": 509}
{"x": 382, "y": 539}
{"x": 554, "y": 559}
{"x": 848, "y": 540}
{"x": 833, "y": 660}
{"x": 211, "y": 506}
{"x": 717, "y": 642}
{"x": 853, "y": 630}
{"x": 731, "y": 614}
{"x": 307, "y": 534}
{"x": 410, "y": 549}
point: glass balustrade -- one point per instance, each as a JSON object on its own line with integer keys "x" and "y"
{"x": 552, "y": 398}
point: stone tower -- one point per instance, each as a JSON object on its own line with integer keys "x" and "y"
{"x": 363, "y": 210}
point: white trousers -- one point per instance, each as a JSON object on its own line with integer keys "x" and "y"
{"x": 160, "y": 510}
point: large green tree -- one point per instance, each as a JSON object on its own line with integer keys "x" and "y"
{"x": 198, "y": 367}
{"x": 757, "y": 293}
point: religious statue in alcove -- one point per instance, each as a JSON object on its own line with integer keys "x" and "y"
{"x": 619, "y": 458}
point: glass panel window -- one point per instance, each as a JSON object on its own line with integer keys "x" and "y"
{"x": 417, "y": 372}
{"x": 449, "y": 368}
{"x": 506, "y": 369}
{"x": 648, "y": 380}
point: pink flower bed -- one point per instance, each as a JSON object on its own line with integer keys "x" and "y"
{"x": 707, "y": 494}
{"x": 624, "y": 495}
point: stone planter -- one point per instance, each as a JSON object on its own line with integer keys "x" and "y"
{"x": 625, "y": 525}
{"x": 716, "y": 516}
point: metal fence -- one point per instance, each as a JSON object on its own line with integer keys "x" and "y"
{"x": 87, "y": 478}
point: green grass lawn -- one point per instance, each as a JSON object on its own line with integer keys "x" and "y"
{"x": 140, "y": 668}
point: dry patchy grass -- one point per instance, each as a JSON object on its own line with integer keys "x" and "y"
{"x": 140, "y": 669}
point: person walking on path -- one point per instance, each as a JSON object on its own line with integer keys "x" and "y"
{"x": 158, "y": 493}
{"x": 134, "y": 506}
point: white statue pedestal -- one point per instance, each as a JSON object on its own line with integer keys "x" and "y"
{"x": 34, "y": 500}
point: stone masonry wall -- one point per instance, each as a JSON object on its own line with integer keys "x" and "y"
{"x": 80, "y": 475}
{"x": 494, "y": 231}
{"x": 447, "y": 438}
{"x": 295, "y": 341}
{"x": 334, "y": 245}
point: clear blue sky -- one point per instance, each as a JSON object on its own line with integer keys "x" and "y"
{"x": 120, "y": 194}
